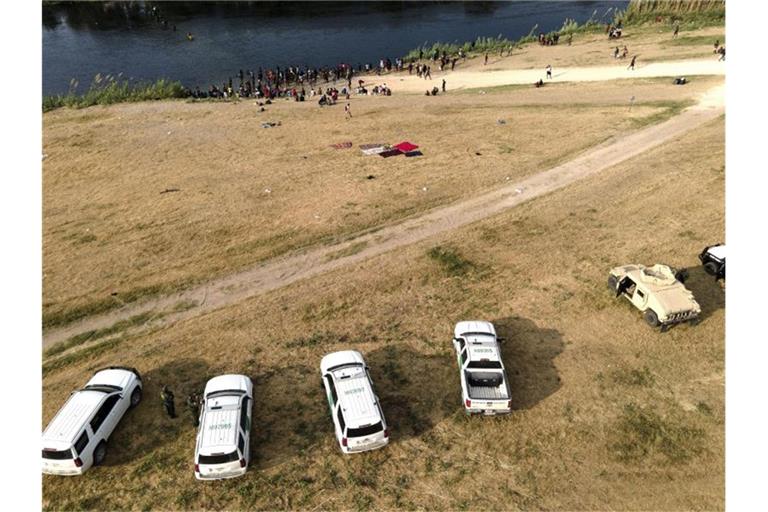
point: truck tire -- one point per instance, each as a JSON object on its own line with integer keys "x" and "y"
{"x": 99, "y": 453}
{"x": 710, "y": 268}
{"x": 651, "y": 318}
{"x": 613, "y": 283}
{"x": 135, "y": 397}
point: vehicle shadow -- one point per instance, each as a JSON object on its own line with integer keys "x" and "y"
{"x": 529, "y": 354}
{"x": 416, "y": 391}
{"x": 706, "y": 291}
{"x": 290, "y": 414}
{"x": 147, "y": 427}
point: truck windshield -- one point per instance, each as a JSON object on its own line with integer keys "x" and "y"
{"x": 484, "y": 364}
{"x": 365, "y": 431}
{"x": 104, "y": 388}
{"x": 58, "y": 454}
{"x": 218, "y": 458}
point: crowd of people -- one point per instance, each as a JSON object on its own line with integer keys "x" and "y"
{"x": 549, "y": 40}
{"x": 614, "y": 31}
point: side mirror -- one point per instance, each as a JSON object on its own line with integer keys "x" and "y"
{"x": 500, "y": 340}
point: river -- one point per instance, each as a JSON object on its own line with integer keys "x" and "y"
{"x": 83, "y": 39}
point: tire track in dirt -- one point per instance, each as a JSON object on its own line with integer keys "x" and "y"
{"x": 285, "y": 270}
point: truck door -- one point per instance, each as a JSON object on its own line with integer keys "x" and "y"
{"x": 639, "y": 299}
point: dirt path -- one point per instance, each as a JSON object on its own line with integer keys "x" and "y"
{"x": 286, "y": 270}
{"x": 475, "y": 79}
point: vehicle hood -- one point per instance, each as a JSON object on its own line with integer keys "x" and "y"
{"x": 676, "y": 300}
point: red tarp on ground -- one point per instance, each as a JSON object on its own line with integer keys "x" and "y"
{"x": 405, "y": 147}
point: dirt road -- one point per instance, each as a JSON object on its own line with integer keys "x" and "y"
{"x": 284, "y": 271}
{"x": 491, "y": 78}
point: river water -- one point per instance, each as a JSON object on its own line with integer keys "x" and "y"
{"x": 83, "y": 39}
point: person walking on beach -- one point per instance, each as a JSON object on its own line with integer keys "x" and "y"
{"x": 549, "y": 71}
{"x": 443, "y": 84}
{"x": 570, "y": 39}
{"x": 677, "y": 29}
{"x": 486, "y": 59}
{"x": 632, "y": 64}
{"x": 616, "y": 53}
{"x": 429, "y": 73}
{"x": 166, "y": 395}
{"x": 347, "y": 111}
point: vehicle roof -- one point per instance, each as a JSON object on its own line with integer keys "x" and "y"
{"x": 219, "y": 426}
{"x": 356, "y": 396}
{"x": 473, "y": 326}
{"x": 718, "y": 251}
{"x": 64, "y": 428}
{"x": 340, "y": 358}
{"x": 112, "y": 377}
{"x": 229, "y": 381}
{"x": 481, "y": 348}
{"x": 656, "y": 277}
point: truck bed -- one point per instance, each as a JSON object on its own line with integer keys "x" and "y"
{"x": 487, "y": 393}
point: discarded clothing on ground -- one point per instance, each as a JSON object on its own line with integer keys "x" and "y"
{"x": 374, "y": 149}
{"x": 405, "y": 146}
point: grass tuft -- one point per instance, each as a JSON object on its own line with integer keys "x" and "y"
{"x": 634, "y": 377}
{"x": 451, "y": 261}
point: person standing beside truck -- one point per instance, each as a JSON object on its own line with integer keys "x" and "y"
{"x": 193, "y": 405}
{"x": 166, "y": 395}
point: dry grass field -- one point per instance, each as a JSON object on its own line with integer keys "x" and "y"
{"x": 246, "y": 194}
{"x": 608, "y": 414}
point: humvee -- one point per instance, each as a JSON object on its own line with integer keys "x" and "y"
{"x": 658, "y": 292}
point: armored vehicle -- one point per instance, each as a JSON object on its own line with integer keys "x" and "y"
{"x": 657, "y": 291}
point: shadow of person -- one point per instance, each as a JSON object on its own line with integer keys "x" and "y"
{"x": 706, "y": 291}
{"x": 147, "y": 427}
{"x": 528, "y": 355}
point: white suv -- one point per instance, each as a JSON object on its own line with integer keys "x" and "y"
{"x": 355, "y": 410}
{"x": 224, "y": 436}
{"x": 76, "y": 438}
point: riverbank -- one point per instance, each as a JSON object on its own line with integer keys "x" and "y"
{"x": 652, "y": 43}
{"x": 103, "y": 142}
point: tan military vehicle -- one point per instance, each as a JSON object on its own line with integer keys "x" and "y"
{"x": 658, "y": 292}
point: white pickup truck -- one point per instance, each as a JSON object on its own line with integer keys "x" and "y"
{"x": 484, "y": 386}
